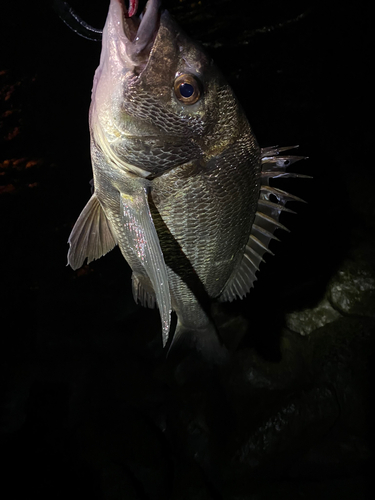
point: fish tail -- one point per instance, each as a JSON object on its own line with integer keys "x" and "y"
{"x": 205, "y": 340}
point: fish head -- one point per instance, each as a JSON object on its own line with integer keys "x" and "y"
{"x": 158, "y": 100}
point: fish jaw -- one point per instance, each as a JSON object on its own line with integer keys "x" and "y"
{"x": 126, "y": 46}
{"x": 127, "y": 41}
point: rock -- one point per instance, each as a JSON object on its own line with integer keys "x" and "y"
{"x": 308, "y": 320}
{"x": 352, "y": 290}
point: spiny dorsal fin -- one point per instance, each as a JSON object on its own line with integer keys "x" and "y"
{"x": 91, "y": 236}
{"x": 271, "y": 203}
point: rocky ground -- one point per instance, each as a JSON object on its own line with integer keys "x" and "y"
{"x": 91, "y": 407}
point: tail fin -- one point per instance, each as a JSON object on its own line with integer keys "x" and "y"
{"x": 205, "y": 341}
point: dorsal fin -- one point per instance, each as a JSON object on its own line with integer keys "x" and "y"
{"x": 91, "y": 235}
{"x": 270, "y": 204}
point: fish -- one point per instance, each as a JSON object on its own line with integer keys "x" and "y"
{"x": 180, "y": 182}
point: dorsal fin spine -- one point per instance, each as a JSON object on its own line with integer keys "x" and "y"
{"x": 265, "y": 223}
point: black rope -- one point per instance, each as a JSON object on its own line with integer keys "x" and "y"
{"x": 75, "y": 23}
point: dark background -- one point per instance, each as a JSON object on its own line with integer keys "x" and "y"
{"x": 88, "y": 396}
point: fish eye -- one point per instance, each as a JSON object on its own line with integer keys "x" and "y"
{"x": 187, "y": 88}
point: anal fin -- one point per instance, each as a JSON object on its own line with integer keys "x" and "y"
{"x": 141, "y": 295}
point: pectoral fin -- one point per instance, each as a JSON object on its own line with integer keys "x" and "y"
{"x": 91, "y": 236}
{"x": 143, "y": 239}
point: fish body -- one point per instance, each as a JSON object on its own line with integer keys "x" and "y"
{"x": 181, "y": 184}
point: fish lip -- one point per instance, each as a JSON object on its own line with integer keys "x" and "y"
{"x": 138, "y": 33}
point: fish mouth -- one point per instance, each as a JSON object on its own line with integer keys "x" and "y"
{"x": 137, "y": 33}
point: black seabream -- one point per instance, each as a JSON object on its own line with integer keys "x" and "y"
{"x": 181, "y": 184}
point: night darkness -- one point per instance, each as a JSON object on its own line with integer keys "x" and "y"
{"x": 90, "y": 406}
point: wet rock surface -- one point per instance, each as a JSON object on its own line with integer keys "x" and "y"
{"x": 90, "y": 406}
